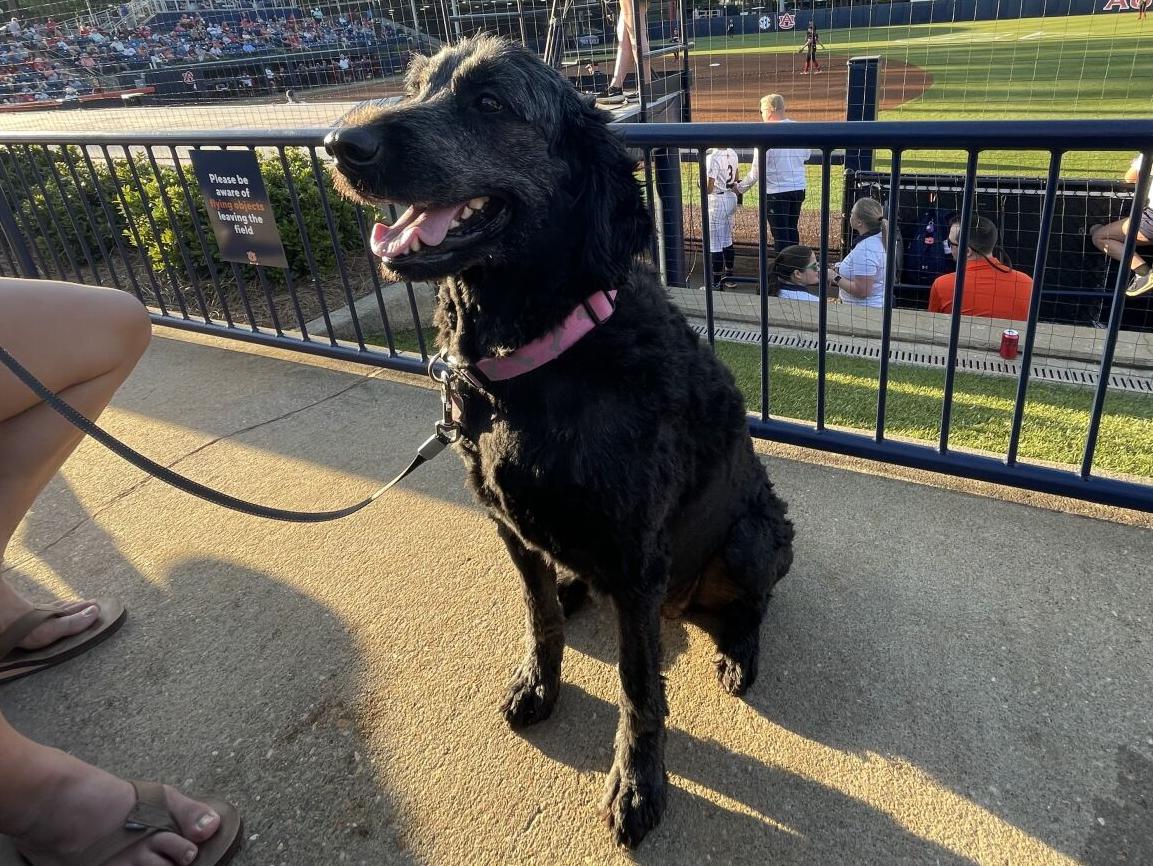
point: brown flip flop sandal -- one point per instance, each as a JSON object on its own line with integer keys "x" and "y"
{"x": 148, "y": 817}
{"x": 16, "y": 663}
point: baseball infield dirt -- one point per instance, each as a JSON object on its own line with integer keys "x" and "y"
{"x": 727, "y": 87}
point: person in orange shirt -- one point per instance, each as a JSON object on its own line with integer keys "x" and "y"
{"x": 992, "y": 288}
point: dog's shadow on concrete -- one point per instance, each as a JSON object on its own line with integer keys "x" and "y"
{"x": 747, "y": 811}
{"x": 223, "y": 681}
{"x": 723, "y": 805}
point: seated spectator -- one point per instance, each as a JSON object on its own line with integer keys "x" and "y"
{"x": 794, "y": 274}
{"x": 992, "y": 288}
{"x": 39, "y": 60}
{"x": 1110, "y": 239}
{"x": 860, "y": 277}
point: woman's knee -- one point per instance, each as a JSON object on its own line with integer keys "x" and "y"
{"x": 117, "y": 326}
{"x": 129, "y": 321}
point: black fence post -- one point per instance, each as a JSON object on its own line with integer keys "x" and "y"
{"x": 861, "y": 104}
{"x": 16, "y": 240}
{"x": 671, "y": 238}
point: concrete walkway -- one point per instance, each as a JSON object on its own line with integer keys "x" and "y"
{"x": 946, "y": 679}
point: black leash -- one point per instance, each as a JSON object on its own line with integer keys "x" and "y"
{"x": 447, "y": 432}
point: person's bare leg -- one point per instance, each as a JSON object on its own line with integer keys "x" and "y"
{"x": 1110, "y": 239}
{"x": 624, "y": 62}
{"x": 82, "y": 342}
{"x": 54, "y": 806}
{"x": 627, "y": 60}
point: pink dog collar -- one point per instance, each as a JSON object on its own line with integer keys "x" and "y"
{"x": 592, "y": 311}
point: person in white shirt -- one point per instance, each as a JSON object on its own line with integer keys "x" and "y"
{"x": 784, "y": 183}
{"x": 722, "y": 167}
{"x": 1110, "y": 239}
{"x": 860, "y": 277}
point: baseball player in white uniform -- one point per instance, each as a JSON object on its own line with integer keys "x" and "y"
{"x": 722, "y": 168}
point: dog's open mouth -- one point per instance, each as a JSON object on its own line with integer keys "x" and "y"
{"x": 435, "y": 231}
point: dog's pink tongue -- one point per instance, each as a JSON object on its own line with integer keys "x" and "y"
{"x": 430, "y": 225}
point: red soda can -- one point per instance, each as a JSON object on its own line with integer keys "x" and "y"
{"x": 1010, "y": 339}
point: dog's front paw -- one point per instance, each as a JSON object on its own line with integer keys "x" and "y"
{"x": 529, "y": 698}
{"x": 736, "y": 672}
{"x": 633, "y": 803}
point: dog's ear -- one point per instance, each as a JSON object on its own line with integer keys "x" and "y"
{"x": 416, "y": 73}
{"x": 607, "y": 200}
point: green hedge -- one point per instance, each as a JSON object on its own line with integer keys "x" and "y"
{"x": 145, "y": 208}
{"x": 152, "y": 206}
{"x": 58, "y": 207}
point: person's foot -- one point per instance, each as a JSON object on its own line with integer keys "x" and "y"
{"x": 82, "y": 804}
{"x": 1139, "y": 285}
{"x": 80, "y": 615}
{"x": 611, "y": 96}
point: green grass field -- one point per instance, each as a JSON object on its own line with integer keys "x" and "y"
{"x": 1054, "y": 428}
{"x": 1076, "y": 67}
{"x": 1055, "y": 423}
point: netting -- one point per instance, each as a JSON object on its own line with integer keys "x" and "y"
{"x": 281, "y": 62}
{"x": 270, "y": 63}
{"x": 941, "y": 60}
{"x": 218, "y": 64}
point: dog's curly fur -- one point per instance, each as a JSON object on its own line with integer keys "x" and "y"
{"x": 625, "y": 464}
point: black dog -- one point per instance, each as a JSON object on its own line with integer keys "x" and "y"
{"x": 625, "y": 463}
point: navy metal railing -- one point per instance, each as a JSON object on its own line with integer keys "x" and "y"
{"x": 275, "y": 307}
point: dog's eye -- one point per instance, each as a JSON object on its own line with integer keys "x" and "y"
{"x": 489, "y": 104}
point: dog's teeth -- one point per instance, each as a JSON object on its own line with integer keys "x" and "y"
{"x": 465, "y": 213}
{"x": 415, "y": 248}
{"x": 478, "y": 203}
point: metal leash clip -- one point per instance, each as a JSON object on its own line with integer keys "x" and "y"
{"x": 448, "y": 429}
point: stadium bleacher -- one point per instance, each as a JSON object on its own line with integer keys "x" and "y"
{"x": 45, "y": 62}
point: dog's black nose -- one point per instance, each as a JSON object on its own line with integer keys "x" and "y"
{"x": 353, "y": 145}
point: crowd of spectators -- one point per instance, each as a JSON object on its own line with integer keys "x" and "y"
{"x": 45, "y": 60}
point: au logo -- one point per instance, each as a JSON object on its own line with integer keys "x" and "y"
{"x": 765, "y": 22}
{"x": 786, "y": 21}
